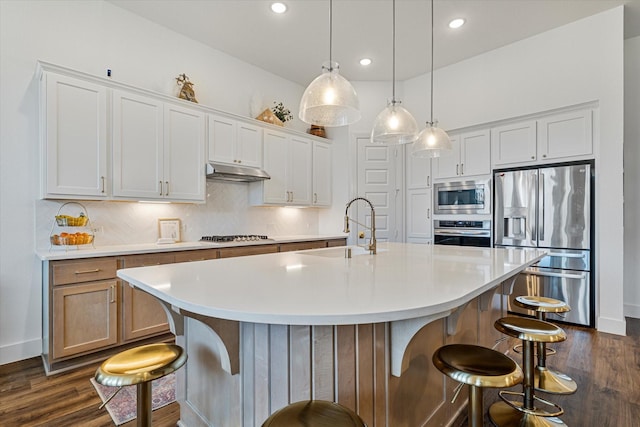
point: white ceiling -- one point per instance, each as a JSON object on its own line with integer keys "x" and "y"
{"x": 295, "y": 44}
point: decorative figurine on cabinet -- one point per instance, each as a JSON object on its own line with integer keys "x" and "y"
{"x": 186, "y": 91}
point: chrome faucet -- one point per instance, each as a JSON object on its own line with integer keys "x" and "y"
{"x": 371, "y": 247}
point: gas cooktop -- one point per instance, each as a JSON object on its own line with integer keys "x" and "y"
{"x": 235, "y": 238}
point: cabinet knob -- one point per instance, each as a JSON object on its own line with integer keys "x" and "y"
{"x": 533, "y": 157}
{"x": 544, "y": 155}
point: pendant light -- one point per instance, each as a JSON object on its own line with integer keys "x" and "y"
{"x": 394, "y": 124}
{"x": 329, "y": 100}
{"x": 432, "y": 141}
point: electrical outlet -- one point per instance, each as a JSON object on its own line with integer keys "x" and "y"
{"x": 97, "y": 229}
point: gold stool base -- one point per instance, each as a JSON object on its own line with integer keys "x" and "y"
{"x": 553, "y": 382}
{"x": 503, "y": 415}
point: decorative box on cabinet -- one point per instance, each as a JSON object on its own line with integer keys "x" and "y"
{"x": 234, "y": 141}
{"x": 470, "y": 156}
{"x": 158, "y": 149}
{"x": 287, "y": 158}
{"x": 73, "y": 138}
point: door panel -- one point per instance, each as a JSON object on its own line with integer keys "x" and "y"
{"x": 377, "y": 182}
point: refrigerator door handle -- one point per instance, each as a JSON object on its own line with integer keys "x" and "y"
{"x": 541, "y": 201}
{"x": 566, "y": 255}
{"x": 582, "y": 276}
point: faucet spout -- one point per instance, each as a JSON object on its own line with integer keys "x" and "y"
{"x": 372, "y": 246}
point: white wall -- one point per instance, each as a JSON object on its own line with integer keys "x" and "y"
{"x": 632, "y": 177}
{"x": 92, "y": 36}
{"x": 569, "y": 65}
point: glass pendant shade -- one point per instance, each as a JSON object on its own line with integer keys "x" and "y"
{"x": 329, "y": 100}
{"x": 394, "y": 125}
{"x": 431, "y": 142}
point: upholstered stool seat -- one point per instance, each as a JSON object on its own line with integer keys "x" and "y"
{"x": 525, "y": 413}
{"x": 314, "y": 413}
{"x": 140, "y": 366}
{"x": 546, "y": 379}
{"x": 478, "y": 367}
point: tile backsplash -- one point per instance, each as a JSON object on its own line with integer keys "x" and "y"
{"x": 227, "y": 211}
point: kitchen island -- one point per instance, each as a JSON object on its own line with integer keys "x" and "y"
{"x": 267, "y": 330}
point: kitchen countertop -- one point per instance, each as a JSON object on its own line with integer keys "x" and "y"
{"x": 59, "y": 253}
{"x": 323, "y": 287}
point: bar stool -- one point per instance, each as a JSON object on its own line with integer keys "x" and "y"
{"x": 140, "y": 366}
{"x": 478, "y": 367}
{"x": 314, "y": 413}
{"x": 522, "y": 414}
{"x": 545, "y": 379}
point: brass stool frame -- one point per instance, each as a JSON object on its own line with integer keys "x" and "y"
{"x": 545, "y": 379}
{"x": 139, "y": 366}
{"x": 478, "y": 367}
{"x": 516, "y": 414}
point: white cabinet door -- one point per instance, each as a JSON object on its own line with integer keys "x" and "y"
{"x": 419, "y": 214}
{"x": 249, "y": 145}
{"x": 184, "y": 133}
{"x": 74, "y": 138}
{"x": 448, "y": 164}
{"x": 300, "y": 150}
{"x": 565, "y": 135}
{"x": 418, "y": 171}
{"x": 222, "y": 139}
{"x": 322, "y": 174}
{"x": 514, "y": 143}
{"x": 137, "y": 146}
{"x": 276, "y": 159}
{"x": 475, "y": 153}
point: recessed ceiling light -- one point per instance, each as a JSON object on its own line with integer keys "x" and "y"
{"x": 456, "y": 23}
{"x": 365, "y": 61}
{"x": 278, "y": 7}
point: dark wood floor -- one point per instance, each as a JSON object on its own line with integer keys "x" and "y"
{"x": 606, "y": 368}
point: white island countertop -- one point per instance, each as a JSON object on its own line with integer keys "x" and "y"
{"x": 323, "y": 287}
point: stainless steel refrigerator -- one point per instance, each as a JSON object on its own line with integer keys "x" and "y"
{"x": 550, "y": 208}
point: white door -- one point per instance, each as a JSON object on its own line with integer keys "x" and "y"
{"x": 378, "y": 166}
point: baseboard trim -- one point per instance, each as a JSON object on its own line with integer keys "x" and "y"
{"x": 20, "y": 351}
{"x": 632, "y": 310}
{"x": 612, "y": 326}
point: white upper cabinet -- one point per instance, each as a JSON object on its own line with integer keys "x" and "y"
{"x": 418, "y": 171}
{"x": 184, "y": 158}
{"x": 287, "y": 159}
{"x": 567, "y": 135}
{"x": 73, "y": 138}
{"x": 234, "y": 141}
{"x": 514, "y": 143}
{"x": 322, "y": 174}
{"x": 158, "y": 149}
{"x": 470, "y": 156}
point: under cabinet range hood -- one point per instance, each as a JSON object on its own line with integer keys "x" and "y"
{"x": 235, "y": 173}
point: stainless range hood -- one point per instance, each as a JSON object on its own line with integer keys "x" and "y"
{"x": 235, "y": 173}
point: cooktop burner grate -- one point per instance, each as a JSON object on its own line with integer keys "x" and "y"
{"x": 235, "y": 238}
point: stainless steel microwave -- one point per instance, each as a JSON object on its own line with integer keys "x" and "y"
{"x": 462, "y": 197}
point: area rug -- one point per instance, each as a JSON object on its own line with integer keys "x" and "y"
{"x": 122, "y": 407}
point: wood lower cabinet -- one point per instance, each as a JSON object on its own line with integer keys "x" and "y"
{"x": 142, "y": 314}
{"x": 85, "y": 317}
{"x": 90, "y": 314}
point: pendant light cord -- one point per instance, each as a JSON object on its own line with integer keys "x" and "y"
{"x": 393, "y": 78}
{"x": 330, "y": 34}
{"x": 431, "y": 123}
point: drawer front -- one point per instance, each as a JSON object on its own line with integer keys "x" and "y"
{"x": 85, "y": 270}
{"x": 300, "y": 246}
{"x": 248, "y": 250}
{"x": 199, "y": 255}
{"x": 336, "y": 242}
{"x": 132, "y": 261}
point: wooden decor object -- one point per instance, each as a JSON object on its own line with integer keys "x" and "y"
{"x": 269, "y": 117}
